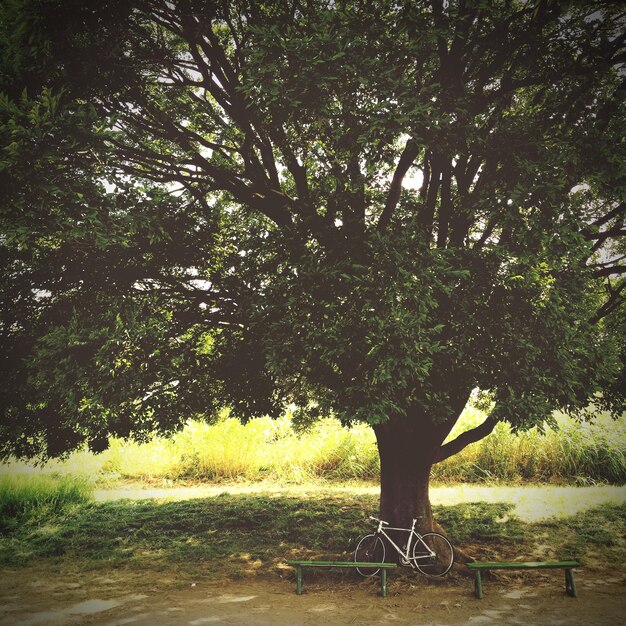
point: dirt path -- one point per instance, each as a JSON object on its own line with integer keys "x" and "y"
{"x": 531, "y": 502}
{"x": 52, "y": 597}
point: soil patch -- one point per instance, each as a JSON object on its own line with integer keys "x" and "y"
{"x": 54, "y": 595}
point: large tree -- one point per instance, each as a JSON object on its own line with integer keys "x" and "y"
{"x": 369, "y": 208}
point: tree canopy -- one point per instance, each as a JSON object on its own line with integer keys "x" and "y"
{"x": 368, "y": 208}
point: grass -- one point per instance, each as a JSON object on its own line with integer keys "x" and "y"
{"x": 271, "y": 450}
{"x": 261, "y": 449}
{"x": 238, "y": 533}
{"x": 242, "y": 529}
{"x": 600, "y": 534}
{"x": 533, "y": 503}
{"x": 26, "y": 498}
{"x": 589, "y": 453}
{"x": 482, "y": 522}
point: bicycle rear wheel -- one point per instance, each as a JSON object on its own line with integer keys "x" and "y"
{"x": 442, "y": 559}
{"x": 370, "y": 549}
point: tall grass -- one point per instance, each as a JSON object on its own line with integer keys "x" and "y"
{"x": 33, "y": 496}
{"x": 267, "y": 449}
{"x": 579, "y": 453}
{"x": 271, "y": 449}
{"x": 261, "y": 449}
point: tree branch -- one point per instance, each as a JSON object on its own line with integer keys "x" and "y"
{"x": 601, "y": 221}
{"x": 613, "y": 270}
{"x": 618, "y": 231}
{"x": 464, "y": 439}
{"x": 615, "y": 300}
{"x": 409, "y": 154}
{"x": 445, "y": 209}
{"x": 427, "y": 212}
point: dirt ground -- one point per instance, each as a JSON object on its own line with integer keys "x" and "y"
{"x": 49, "y": 596}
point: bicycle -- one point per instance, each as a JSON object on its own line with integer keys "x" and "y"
{"x": 431, "y": 553}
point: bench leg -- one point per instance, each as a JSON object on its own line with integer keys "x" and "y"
{"x": 383, "y": 582}
{"x": 299, "y": 580}
{"x": 570, "y": 585}
{"x": 478, "y": 584}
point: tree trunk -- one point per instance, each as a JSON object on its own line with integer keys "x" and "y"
{"x": 407, "y": 449}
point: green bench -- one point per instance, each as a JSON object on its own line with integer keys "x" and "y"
{"x": 570, "y": 585}
{"x": 299, "y": 565}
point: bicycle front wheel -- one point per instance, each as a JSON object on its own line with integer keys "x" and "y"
{"x": 440, "y": 561}
{"x": 370, "y": 549}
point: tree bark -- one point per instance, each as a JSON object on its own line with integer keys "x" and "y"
{"x": 407, "y": 449}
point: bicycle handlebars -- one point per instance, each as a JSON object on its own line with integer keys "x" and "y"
{"x": 387, "y": 523}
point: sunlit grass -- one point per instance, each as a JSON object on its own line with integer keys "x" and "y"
{"x": 263, "y": 448}
{"x": 271, "y": 450}
{"x": 533, "y": 503}
{"x": 35, "y": 496}
{"x": 266, "y": 449}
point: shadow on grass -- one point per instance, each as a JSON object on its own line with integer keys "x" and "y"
{"x": 198, "y": 530}
{"x": 254, "y": 531}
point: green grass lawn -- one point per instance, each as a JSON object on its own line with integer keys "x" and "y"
{"x": 236, "y": 533}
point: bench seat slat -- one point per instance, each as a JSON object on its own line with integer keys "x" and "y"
{"x": 522, "y": 565}
{"x": 339, "y": 564}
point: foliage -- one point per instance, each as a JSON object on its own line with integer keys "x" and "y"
{"x": 207, "y": 205}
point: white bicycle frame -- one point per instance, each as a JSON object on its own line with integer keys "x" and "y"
{"x": 404, "y": 556}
